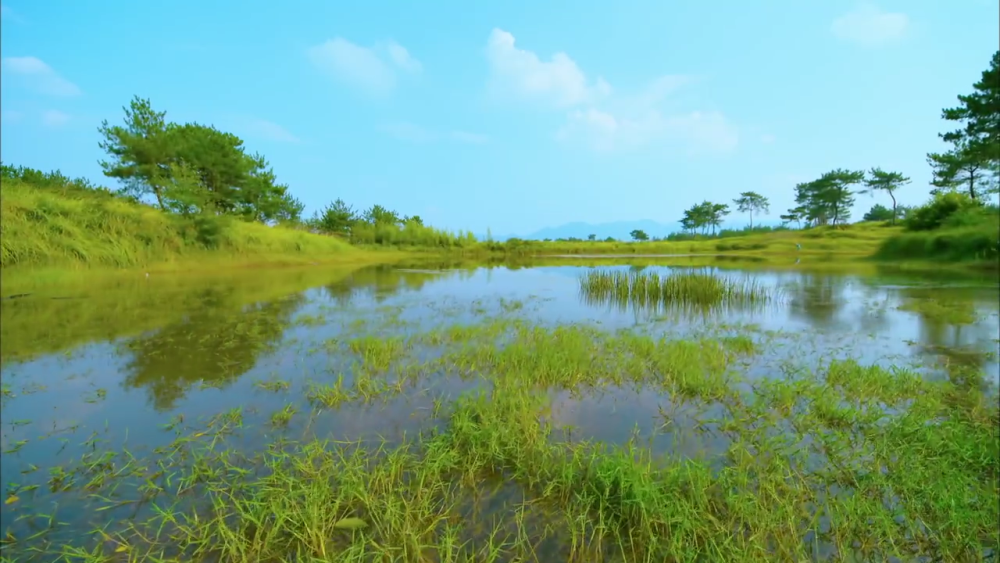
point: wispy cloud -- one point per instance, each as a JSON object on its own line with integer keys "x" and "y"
{"x": 54, "y": 118}
{"x": 374, "y": 70}
{"x": 39, "y": 76}
{"x": 413, "y": 133}
{"x": 598, "y": 116}
{"x": 870, "y": 26}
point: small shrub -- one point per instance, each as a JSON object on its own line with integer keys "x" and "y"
{"x": 936, "y": 212}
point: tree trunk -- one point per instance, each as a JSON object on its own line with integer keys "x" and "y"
{"x": 893, "y": 208}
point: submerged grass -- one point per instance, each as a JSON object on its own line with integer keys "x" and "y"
{"x": 844, "y": 462}
{"x": 686, "y": 290}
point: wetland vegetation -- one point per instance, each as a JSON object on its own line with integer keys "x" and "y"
{"x": 504, "y": 414}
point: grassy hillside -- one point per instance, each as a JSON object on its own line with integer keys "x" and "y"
{"x": 951, "y": 227}
{"x": 87, "y": 228}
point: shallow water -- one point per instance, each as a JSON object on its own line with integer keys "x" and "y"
{"x": 121, "y": 361}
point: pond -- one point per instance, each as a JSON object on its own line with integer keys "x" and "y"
{"x": 424, "y": 412}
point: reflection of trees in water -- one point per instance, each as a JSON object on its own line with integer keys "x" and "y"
{"x": 215, "y": 344}
{"x": 381, "y": 282}
{"x": 949, "y": 327}
{"x": 816, "y": 298}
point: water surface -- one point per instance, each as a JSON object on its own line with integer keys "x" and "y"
{"x": 119, "y": 362}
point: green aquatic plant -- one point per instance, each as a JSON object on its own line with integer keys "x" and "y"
{"x": 683, "y": 290}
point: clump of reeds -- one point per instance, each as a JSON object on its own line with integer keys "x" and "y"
{"x": 685, "y": 290}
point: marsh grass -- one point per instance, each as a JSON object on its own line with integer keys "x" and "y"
{"x": 680, "y": 290}
{"x": 843, "y": 462}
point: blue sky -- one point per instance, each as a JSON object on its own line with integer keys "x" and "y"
{"x": 509, "y": 115}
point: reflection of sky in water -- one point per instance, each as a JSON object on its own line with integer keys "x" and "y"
{"x": 823, "y": 316}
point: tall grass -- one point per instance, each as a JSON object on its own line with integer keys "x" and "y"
{"x": 410, "y": 234}
{"x": 980, "y": 243}
{"x": 950, "y": 227}
{"x": 42, "y": 228}
{"x": 687, "y": 290}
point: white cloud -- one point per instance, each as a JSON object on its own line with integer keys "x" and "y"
{"x": 869, "y": 26}
{"x": 413, "y": 133}
{"x": 699, "y": 131}
{"x": 598, "y": 117}
{"x": 269, "y": 130}
{"x": 40, "y": 76}
{"x": 521, "y": 74}
{"x": 54, "y": 118}
{"x": 402, "y": 58}
{"x": 374, "y": 70}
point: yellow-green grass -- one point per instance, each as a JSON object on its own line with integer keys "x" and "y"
{"x": 855, "y": 240}
{"x": 975, "y": 243}
{"x": 43, "y": 229}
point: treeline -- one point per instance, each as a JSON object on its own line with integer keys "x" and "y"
{"x": 379, "y": 225}
{"x": 971, "y": 166}
{"x": 199, "y": 172}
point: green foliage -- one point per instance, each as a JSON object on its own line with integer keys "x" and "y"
{"x": 55, "y": 182}
{"x": 192, "y": 168}
{"x": 827, "y": 200}
{"x": 724, "y": 233}
{"x": 966, "y": 167}
{"x": 53, "y": 223}
{"x": 639, "y": 235}
{"x": 973, "y": 163}
{"x": 706, "y": 214}
{"x": 381, "y": 226}
{"x": 979, "y": 114}
{"x": 978, "y": 242}
{"x": 879, "y": 212}
{"x": 888, "y": 182}
{"x": 795, "y": 215}
{"x": 336, "y": 218}
{"x": 750, "y": 202}
{"x": 937, "y": 212}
